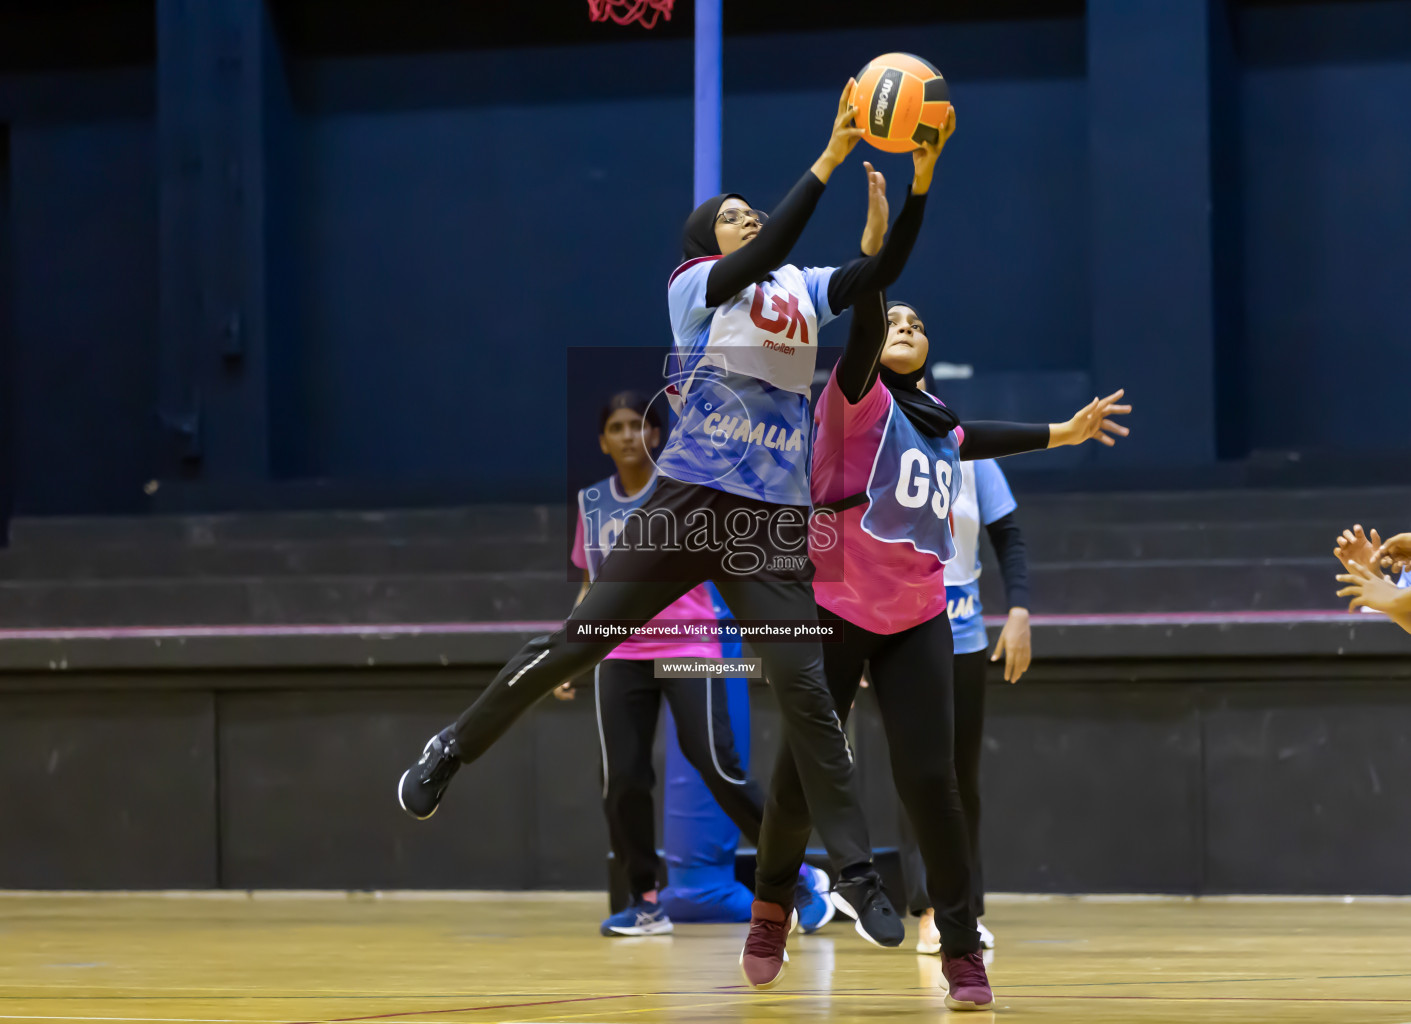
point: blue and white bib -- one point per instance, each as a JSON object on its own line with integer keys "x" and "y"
{"x": 604, "y": 509}
{"x": 739, "y": 381}
{"x": 984, "y": 498}
{"x": 913, "y": 483}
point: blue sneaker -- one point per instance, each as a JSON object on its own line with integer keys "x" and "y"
{"x": 641, "y": 918}
{"x": 811, "y": 900}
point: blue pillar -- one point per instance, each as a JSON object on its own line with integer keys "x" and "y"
{"x": 699, "y": 838}
{"x": 709, "y": 57}
{"x": 1232, "y": 438}
{"x": 1154, "y": 148}
{"x": 213, "y": 60}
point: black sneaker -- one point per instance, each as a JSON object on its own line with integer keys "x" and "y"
{"x": 863, "y": 900}
{"x": 424, "y": 783}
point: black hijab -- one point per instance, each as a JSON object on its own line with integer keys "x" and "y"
{"x": 925, "y": 413}
{"x": 698, "y": 237}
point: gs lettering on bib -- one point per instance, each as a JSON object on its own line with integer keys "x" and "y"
{"x": 604, "y": 509}
{"x": 914, "y": 483}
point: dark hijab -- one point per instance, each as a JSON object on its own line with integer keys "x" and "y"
{"x": 925, "y": 413}
{"x": 698, "y": 237}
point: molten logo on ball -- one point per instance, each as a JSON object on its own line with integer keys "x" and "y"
{"x": 882, "y": 98}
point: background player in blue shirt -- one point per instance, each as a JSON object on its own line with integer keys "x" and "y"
{"x": 985, "y": 500}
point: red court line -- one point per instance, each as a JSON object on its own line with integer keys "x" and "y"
{"x": 471, "y": 1009}
{"x": 1189, "y": 618}
{"x": 197, "y": 632}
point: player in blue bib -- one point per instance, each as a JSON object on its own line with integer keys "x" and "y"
{"x": 984, "y": 500}
{"x": 627, "y": 695}
{"x": 732, "y": 508}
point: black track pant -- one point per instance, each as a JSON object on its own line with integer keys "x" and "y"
{"x": 911, "y": 676}
{"x": 628, "y": 700}
{"x": 638, "y": 579}
{"x": 969, "y": 734}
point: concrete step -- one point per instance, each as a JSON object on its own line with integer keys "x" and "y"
{"x": 521, "y": 522}
{"x": 1210, "y": 585}
{"x": 362, "y": 557}
{"x": 1061, "y": 540}
{"x": 1387, "y": 508}
{"x": 312, "y": 600}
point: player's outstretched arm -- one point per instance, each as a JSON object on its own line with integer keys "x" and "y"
{"x": 875, "y": 273}
{"x": 1355, "y": 546}
{"x": 845, "y": 136}
{"x": 752, "y": 263}
{"x": 1368, "y": 589}
{"x": 1093, "y": 420}
{"x": 986, "y": 439}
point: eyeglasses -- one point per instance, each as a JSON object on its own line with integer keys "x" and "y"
{"x": 736, "y": 215}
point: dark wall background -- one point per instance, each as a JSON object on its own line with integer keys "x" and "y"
{"x": 1245, "y": 766}
{"x": 302, "y": 241}
{"x": 79, "y": 300}
{"x": 1327, "y": 227}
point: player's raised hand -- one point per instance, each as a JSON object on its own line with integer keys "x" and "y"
{"x": 1368, "y": 589}
{"x": 877, "y": 211}
{"x": 1093, "y": 420}
{"x": 845, "y": 132}
{"x": 1395, "y": 554}
{"x": 924, "y": 157}
{"x": 1355, "y": 546}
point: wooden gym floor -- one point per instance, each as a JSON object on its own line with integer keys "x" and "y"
{"x": 537, "y": 957}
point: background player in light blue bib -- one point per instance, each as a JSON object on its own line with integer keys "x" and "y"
{"x": 984, "y": 500}
{"x": 627, "y": 699}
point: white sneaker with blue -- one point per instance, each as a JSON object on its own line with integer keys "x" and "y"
{"x": 641, "y": 918}
{"x": 811, "y": 900}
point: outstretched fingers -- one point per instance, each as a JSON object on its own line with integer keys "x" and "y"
{"x": 845, "y": 100}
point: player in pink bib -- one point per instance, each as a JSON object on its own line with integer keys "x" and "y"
{"x": 886, "y": 470}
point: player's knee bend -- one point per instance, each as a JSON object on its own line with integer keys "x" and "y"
{"x": 808, "y": 705}
{"x": 788, "y": 667}
{"x": 723, "y": 761}
{"x": 927, "y": 785}
{"x": 788, "y": 811}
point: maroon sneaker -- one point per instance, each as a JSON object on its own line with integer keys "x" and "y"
{"x": 969, "y": 984}
{"x": 763, "y": 958}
